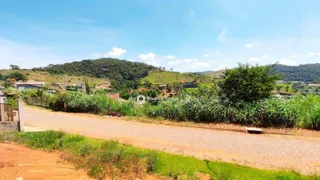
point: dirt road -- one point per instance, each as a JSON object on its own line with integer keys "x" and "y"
{"x": 17, "y": 162}
{"x": 262, "y": 151}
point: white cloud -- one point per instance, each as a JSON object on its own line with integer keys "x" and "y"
{"x": 149, "y": 58}
{"x": 295, "y": 56}
{"x": 253, "y": 59}
{"x": 289, "y": 62}
{"x": 174, "y": 62}
{"x": 264, "y": 56}
{"x": 217, "y": 53}
{"x": 170, "y": 57}
{"x": 115, "y": 52}
{"x": 199, "y": 66}
{"x": 182, "y": 61}
{"x": 248, "y": 45}
{"x": 312, "y": 54}
{"x": 223, "y": 66}
{"x": 95, "y": 55}
{"x": 222, "y": 36}
{"x": 211, "y": 61}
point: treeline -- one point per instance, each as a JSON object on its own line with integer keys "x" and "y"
{"x": 306, "y": 73}
{"x": 122, "y": 73}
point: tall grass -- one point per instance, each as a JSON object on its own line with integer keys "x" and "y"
{"x": 300, "y": 111}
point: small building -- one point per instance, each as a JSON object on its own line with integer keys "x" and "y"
{"x": 281, "y": 82}
{"x": 28, "y": 85}
{"x": 115, "y": 96}
{"x": 314, "y": 85}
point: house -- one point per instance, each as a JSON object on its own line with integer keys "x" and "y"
{"x": 115, "y": 96}
{"x": 281, "y": 82}
{"x": 28, "y": 85}
{"x": 314, "y": 85}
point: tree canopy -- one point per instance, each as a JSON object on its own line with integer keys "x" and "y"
{"x": 306, "y": 72}
{"x": 123, "y": 74}
{"x": 248, "y": 83}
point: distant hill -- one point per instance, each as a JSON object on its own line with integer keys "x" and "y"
{"x": 123, "y": 74}
{"x": 306, "y": 72}
{"x": 53, "y": 78}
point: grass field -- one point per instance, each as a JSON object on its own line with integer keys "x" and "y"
{"x": 53, "y": 78}
{"x": 167, "y": 77}
{"x": 94, "y": 156}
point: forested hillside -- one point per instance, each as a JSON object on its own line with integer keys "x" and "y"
{"x": 307, "y": 72}
{"x": 123, "y": 74}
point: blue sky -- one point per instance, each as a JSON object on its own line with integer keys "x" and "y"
{"x": 186, "y": 35}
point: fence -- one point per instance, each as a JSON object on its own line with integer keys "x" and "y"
{"x": 10, "y": 119}
{"x": 37, "y": 101}
{"x": 7, "y": 113}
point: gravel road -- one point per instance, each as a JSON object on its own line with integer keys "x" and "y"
{"x": 261, "y": 151}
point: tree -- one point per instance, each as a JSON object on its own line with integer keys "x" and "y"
{"x": 177, "y": 86}
{"x": 18, "y": 76}
{"x": 14, "y": 67}
{"x": 248, "y": 83}
{"x": 86, "y": 84}
{"x": 279, "y": 88}
{"x": 1, "y": 76}
{"x": 147, "y": 83}
{"x": 287, "y": 88}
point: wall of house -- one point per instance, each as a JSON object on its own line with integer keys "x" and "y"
{"x": 21, "y": 87}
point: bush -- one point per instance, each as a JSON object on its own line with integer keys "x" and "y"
{"x": 247, "y": 83}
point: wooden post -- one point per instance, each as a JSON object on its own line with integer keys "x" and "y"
{"x": 2, "y": 110}
{"x": 21, "y": 122}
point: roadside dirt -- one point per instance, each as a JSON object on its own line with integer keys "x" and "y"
{"x": 20, "y": 162}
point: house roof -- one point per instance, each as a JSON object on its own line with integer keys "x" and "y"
{"x": 314, "y": 85}
{"x": 33, "y": 83}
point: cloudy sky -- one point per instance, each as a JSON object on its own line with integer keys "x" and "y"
{"x": 186, "y": 35}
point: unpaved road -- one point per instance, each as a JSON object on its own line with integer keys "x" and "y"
{"x": 21, "y": 162}
{"x": 262, "y": 151}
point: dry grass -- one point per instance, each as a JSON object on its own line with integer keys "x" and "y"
{"x": 54, "y": 78}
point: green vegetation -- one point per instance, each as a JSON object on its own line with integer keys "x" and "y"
{"x": 53, "y": 78}
{"x": 158, "y": 77}
{"x": 202, "y": 106}
{"x": 15, "y": 74}
{"x": 306, "y": 73}
{"x": 101, "y": 159}
{"x": 247, "y": 83}
{"x": 123, "y": 74}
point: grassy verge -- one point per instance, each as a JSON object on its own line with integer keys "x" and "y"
{"x": 102, "y": 159}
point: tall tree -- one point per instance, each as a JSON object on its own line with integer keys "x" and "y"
{"x": 14, "y": 67}
{"x": 248, "y": 83}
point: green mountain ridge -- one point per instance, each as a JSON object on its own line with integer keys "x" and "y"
{"x": 305, "y": 72}
{"x": 122, "y": 73}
